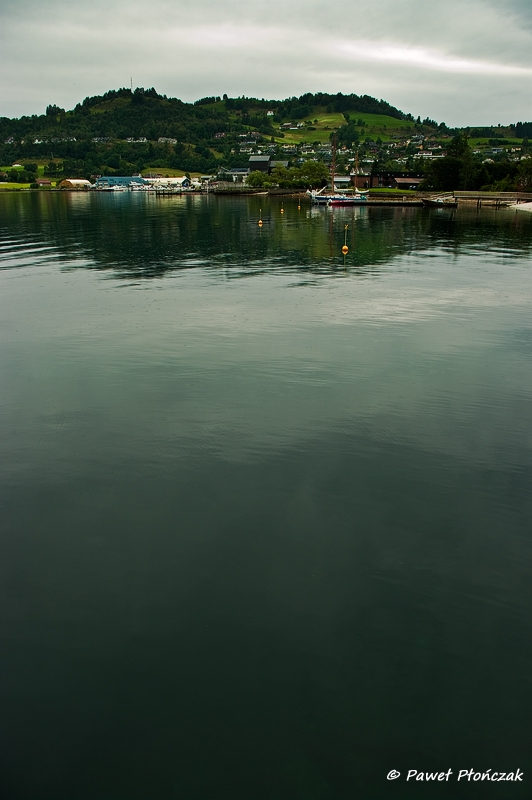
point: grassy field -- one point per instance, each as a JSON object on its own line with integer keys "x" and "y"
{"x": 485, "y": 142}
{"x": 399, "y": 192}
{"x": 324, "y": 126}
{"x": 169, "y": 173}
{"x": 166, "y": 173}
{"x": 41, "y": 164}
{"x": 375, "y": 125}
{"x": 109, "y": 105}
{"x": 220, "y": 106}
{"x": 38, "y": 175}
{"x": 383, "y": 122}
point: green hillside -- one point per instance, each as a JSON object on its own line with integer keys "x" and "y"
{"x": 126, "y": 132}
{"x": 323, "y": 123}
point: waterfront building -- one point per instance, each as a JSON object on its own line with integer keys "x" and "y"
{"x": 259, "y": 163}
{"x": 236, "y": 174}
{"x": 75, "y": 183}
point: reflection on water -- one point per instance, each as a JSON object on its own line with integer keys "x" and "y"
{"x": 267, "y": 537}
{"x": 147, "y": 236}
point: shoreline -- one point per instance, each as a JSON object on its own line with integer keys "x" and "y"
{"x": 381, "y": 198}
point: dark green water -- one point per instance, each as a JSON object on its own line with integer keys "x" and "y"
{"x": 266, "y": 515}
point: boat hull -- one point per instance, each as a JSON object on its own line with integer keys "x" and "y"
{"x": 439, "y": 203}
{"x": 347, "y": 201}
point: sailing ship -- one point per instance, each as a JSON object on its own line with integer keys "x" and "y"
{"x": 347, "y": 199}
{"x": 336, "y": 198}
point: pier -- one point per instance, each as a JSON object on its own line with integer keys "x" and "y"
{"x": 497, "y": 199}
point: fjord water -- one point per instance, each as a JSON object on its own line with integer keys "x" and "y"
{"x": 266, "y": 510}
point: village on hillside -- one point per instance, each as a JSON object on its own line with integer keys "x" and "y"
{"x": 141, "y": 141}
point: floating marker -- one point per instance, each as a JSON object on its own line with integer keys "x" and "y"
{"x": 282, "y": 209}
{"x": 260, "y": 217}
{"x": 345, "y": 248}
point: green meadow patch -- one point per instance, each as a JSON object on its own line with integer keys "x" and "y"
{"x": 169, "y": 173}
{"x": 399, "y": 192}
{"x": 375, "y": 126}
{"x": 110, "y": 105}
{"x": 484, "y": 142}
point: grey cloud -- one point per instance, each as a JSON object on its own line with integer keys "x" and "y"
{"x": 463, "y": 63}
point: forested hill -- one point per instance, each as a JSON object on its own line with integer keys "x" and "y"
{"x": 120, "y": 114}
{"x": 124, "y": 132}
{"x": 198, "y": 135}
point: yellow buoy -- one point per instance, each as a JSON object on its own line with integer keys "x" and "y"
{"x": 260, "y": 217}
{"x": 345, "y": 248}
{"x": 282, "y": 209}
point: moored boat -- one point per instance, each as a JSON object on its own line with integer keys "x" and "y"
{"x": 317, "y": 198}
{"x": 337, "y": 199}
{"x": 347, "y": 199}
{"x": 439, "y": 202}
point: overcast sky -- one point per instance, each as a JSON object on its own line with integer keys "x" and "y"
{"x": 455, "y": 61}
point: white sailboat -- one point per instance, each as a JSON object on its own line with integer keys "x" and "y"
{"x": 336, "y": 198}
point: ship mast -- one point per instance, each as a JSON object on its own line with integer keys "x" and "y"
{"x": 333, "y": 168}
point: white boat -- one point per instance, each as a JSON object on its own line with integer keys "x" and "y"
{"x": 347, "y": 199}
{"x": 317, "y": 198}
{"x": 336, "y": 198}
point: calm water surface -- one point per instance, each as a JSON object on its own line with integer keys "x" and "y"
{"x": 266, "y": 510}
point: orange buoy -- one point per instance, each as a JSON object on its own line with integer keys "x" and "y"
{"x": 345, "y": 248}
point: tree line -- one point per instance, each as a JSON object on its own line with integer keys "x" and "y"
{"x": 460, "y": 170}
